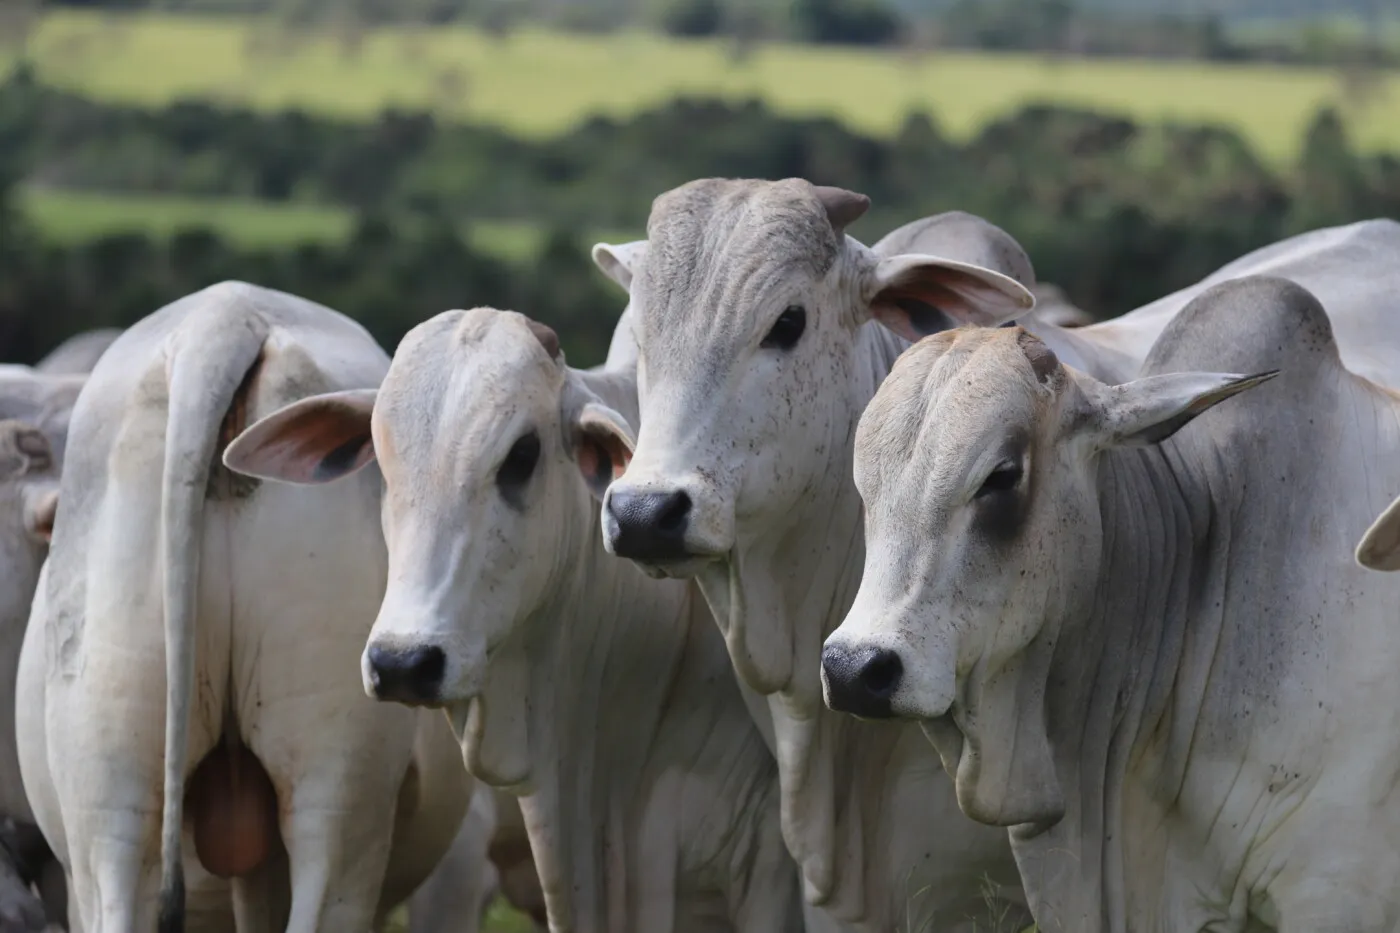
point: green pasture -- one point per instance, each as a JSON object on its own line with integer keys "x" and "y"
{"x": 76, "y": 216}
{"x": 536, "y": 82}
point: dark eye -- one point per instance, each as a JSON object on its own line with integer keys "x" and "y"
{"x": 787, "y": 329}
{"x": 1003, "y": 479}
{"x": 518, "y": 466}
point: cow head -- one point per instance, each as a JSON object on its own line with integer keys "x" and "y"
{"x": 975, "y": 461}
{"x": 486, "y": 442}
{"x": 746, "y": 304}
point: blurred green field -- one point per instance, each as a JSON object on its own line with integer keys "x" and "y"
{"x": 536, "y": 82}
{"x": 76, "y": 216}
{"x": 69, "y": 217}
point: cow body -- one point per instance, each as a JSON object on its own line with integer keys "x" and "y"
{"x": 762, "y": 331}
{"x": 178, "y": 594}
{"x": 603, "y": 697}
{"x": 1137, "y": 640}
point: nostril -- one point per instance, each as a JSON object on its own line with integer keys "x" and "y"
{"x": 411, "y": 674}
{"x": 674, "y": 513}
{"x": 881, "y": 674}
{"x": 428, "y": 664}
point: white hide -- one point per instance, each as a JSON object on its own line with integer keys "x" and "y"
{"x": 602, "y": 696}
{"x": 38, "y": 403}
{"x": 759, "y": 438}
{"x": 269, "y": 592}
{"x": 1146, "y": 647}
{"x": 761, "y": 441}
{"x": 79, "y": 353}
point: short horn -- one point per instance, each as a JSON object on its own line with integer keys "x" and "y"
{"x": 843, "y": 207}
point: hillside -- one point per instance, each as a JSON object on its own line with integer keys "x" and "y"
{"x": 536, "y": 83}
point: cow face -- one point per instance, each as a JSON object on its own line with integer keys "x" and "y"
{"x": 487, "y": 444}
{"x": 746, "y": 304}
{"x": 975, "y": 463}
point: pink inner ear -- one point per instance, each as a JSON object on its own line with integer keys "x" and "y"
{"x": 295, "y": 448}
{"x": 962, "y": 296}
{"x": 593, "y": 445}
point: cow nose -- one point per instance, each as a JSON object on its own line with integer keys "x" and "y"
{"x": 648, "y": 525}
{"x": 406, "y": 675}
{"x": 861, "y": 681}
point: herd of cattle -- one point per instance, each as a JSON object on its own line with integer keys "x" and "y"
{"x": 832, "y": 601}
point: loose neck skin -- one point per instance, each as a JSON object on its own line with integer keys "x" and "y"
{"x": 606, "y": 670}
{"x": 802, "y": 579}
{"x": 598, "y": 662}
{"x": 1117, "y": 686}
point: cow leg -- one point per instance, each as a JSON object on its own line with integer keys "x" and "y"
{"x": 457, "y": 893}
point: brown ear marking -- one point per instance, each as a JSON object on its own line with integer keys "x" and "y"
{"x": 1043, "y": 361}
{"x": 546, "y": 336}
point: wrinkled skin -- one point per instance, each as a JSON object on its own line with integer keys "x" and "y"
{"x": 1139, "y": 640}
{"x": 753, "y": 426}
{"x": 605, "y": 698}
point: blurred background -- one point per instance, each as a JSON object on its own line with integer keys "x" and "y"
{"x": 394, "y": 158}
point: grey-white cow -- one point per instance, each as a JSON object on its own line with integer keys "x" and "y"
{"x": 36, "y": 404}
{"x": 762, "y": 332}
{"x": 242, "y": 709}
{"x": 748, "y": 307}
{"x": 604, "y": 697}
{"x": 1140, "y": 643}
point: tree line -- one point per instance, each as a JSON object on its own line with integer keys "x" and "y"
{"x": 1115, "y": 212}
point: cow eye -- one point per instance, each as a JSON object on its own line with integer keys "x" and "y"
{"x": 519, "y": 464}
{"x": 1004, "y": 478}
{"x": 787, "y": 329}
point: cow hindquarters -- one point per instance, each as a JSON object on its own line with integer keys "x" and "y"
{"x": 303, "y": 608}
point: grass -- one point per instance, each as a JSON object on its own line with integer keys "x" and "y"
{"x": 69, "y": 217}
{"x": 76, "y": 216}
{"x": 536, "y": 82}
{"x": 500, "y": 918}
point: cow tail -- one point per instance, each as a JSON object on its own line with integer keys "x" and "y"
{"x": 209, "y": 357}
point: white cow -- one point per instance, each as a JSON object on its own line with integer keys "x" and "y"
{"x": 78, "y": 354}
{"x": 241, "y": 712}
{"x": 1149, "y": 653}
{"x": 36, "y": 405}
{"x": 762, "y": 332}
{"x": 605, "y": 697}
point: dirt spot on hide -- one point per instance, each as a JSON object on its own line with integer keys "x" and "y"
{"x": 232, "y": 806}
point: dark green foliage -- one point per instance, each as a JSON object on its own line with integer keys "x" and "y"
{"x": 694, "y": 18}
{"x": 1115, "y": 212}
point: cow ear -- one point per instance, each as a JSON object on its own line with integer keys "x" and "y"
{"x": 603, "y": 445}
{"x": 619, "y": 261}
{"x": 916, "y": 295}
{"x": 1150, "y": 410}
{"x": 1380, "y": 545}
{"x": 315, "y": 440}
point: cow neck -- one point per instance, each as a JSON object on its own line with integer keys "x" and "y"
{"x": 603, "y": 656}
{"x": 835, "y": 826}
{"x": 1114, "y": 680}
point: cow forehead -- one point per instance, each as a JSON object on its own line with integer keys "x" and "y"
{"x": 463, "y": 378}
{"x": 947, "y": 399}
{"x": 716, "y": 248}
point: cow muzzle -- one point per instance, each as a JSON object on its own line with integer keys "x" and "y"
{"x": 673, "y": 530}
{"x": 861, "y": 681}
{"x": 411, "y": 675}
